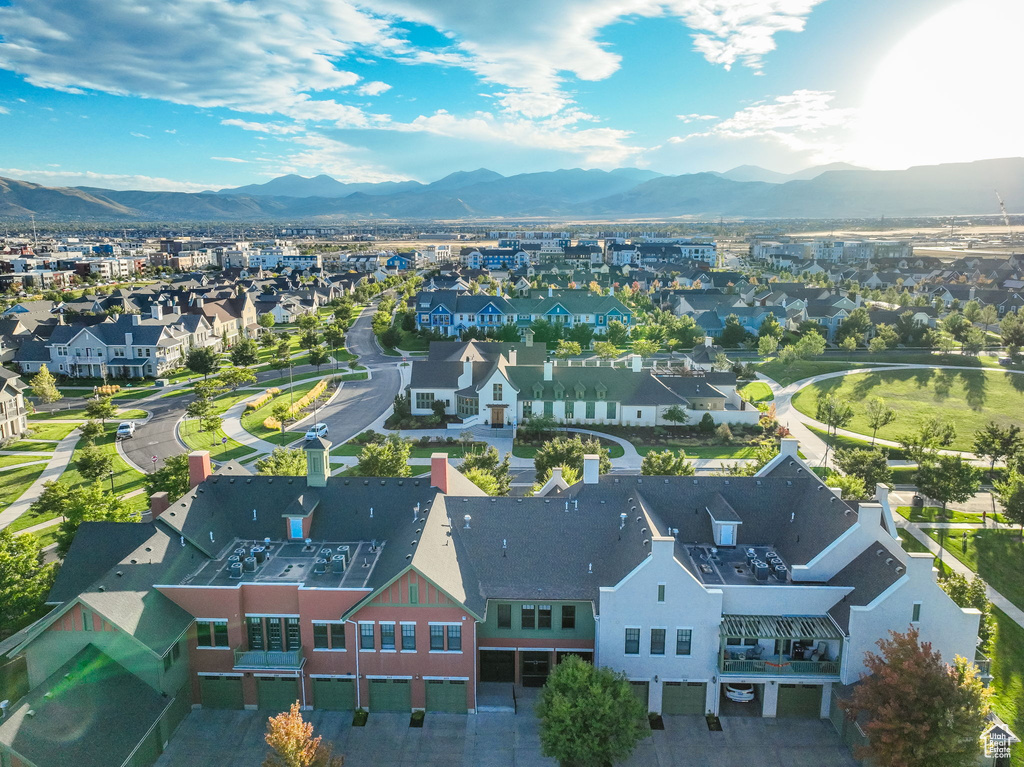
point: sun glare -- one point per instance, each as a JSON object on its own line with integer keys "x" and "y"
{"x": 949, "y": 91}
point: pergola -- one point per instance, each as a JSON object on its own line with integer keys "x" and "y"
{"x": 792, "y": 628}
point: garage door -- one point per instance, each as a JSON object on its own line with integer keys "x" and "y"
{"x": 390, "y": 695}
{"x": 334, "y": 694}
{"x": 799, "y": 700}
{"x": 221, "y": 691}
{"x": 683, "y": 697}
{"x": 277, "y": 693}
{"x": 640, "y": 689}
{"x": 447, "y": 695}
{"x": 497, "y": 665}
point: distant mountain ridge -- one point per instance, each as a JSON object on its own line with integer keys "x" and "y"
{"x": 757, "y": 173}
{"x": 836, "y": 191}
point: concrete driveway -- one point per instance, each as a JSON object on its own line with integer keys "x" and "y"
{"x": 235, "y": 739}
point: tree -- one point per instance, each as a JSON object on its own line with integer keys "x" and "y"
{"x": 996, "y": 443}
{"x": 770, "y": 327}
{"x": 974, "y": 341}
{"x": 972, "y": 311}
{"x": 606, "y": 350}
{"x": 487, "y": 461}
{"x": 1010, "y": 492}
{"x": 848, "y": 344}
{"x": 879, "y": 414}
{"x": 568, "y": 349}
{"x": 171, "y": 478}
{"x": 204, "y": 411}
{"x": 645, "y": 348}
{"x": 483, "y": 480}
{"x": 934, "y": 433}
{"x": 989, "y": 316}
{"x": 318, "y": 356}
{"x": 389, "y": 458}
{"x": 617, "y": 333}
{"x": 667, "y": 463}
{"x": 706, "y": 425}
{"x": 24, "y": 578}
{"x": 100, "y": 407}
{"x": 94, "y": 463}
{"x": 232, "y": 378}
{"x": 852, "y": 486}
{"x": 582, "y": 333}
{"x": 283, "y": 463}
{"x": 856, "y": 325}
{"x": 308, "y": 339}
{"x": 308, "y": 322}
{"x": 947, "y": 478}
{"x": 44, "y": 386}
{"x": 569, "y": 451}
{"x": 245, "y": 353}
{"x": 391, "y": 337}
{"x": 292, "y": 743}
{"x": 202, "y": 360}
{"x": 676, "y": 414}
{"x": 920, "y": 712}
{"x": 871, "y": 466}
{"x": 972, "y": 593}
{"x": 88, "y": 503}
{"x": 834, "y": 413}
{"x": 282, "y": 354}
{"x": 767, "y": 345}
{"x": 589, "y": 715}
{"x": 267, "y": 340}
{"x": 266, "y": 321}
{"x": 91, "y": 431}
{"x": 733, "y": 334}
{"x": 334, "y": 335}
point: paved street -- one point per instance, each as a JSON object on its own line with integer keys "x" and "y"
{"x": 235, "y": 739}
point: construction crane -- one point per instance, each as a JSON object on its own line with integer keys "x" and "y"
{"x": 1006, "y": 217}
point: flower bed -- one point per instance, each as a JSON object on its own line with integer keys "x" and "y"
{"x": 263, "y": 399}
{"x": 311, "y": 395}
{"x": 106, "y": 391}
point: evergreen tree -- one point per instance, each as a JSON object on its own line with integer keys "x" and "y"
{"x": 44, "y": 386}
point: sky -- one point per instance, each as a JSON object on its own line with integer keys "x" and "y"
{"x": 205, "y": 94}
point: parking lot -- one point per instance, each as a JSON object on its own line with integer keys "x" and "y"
{"x": 235, "y": 739}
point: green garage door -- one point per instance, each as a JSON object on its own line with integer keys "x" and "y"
{"x": 640, "y": 689}
{"x": 334, "y": 694}
{"x": 683, "y": 697}
{"x": 799, "y": 700}
{"x": 277, "y": 693}
{"x": 447, "y": 695}
{"x": 221, "y": 691}
{"x": 390, "y": 695}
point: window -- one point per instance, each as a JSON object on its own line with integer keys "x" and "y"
{"x": 337, "y": 632}
{"x": 255, "y": 632}
{"x": 544, "y": 617}
{"x": 414, "y": 593}
{"x": 212, "y": 634}
{"x": 528, "y": 409}
{"x": 424, "y": 399}
{"x": 504, "y": 616}
{"x": 570, "y": 408}
{"x": 611, "y": 410}
{"x": 387, "y": 636}
{"x": 632, "y": 641}
{"x": 293, "y": 636}
{"x": 366, "y": 636}
{"x": 454, "y": 638}
{"x": 496, "y": 391}
{"x": 294, "y": 528}
{"x": 683, "y": 639}
{"x": 86, "y": 620}
{"x": 528, "y": 617}
{"x": 916, "y": 614}
{"x": 661, "y": 592}
{"x": 549, "y": 408}
{"x": 408, "y": 636}
{"x": 437, "y": 637}
{"x": 320, "y": 638}
{"x": 657, "y": 641}
{"x": 204, "y": 635}
{"x": 639, "y": 413}
{"x": 591, "y": 409}
{"x": 568, "y": 617}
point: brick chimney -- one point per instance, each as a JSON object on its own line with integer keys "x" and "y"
{"x": 199, "y": 469}
{"x": 158, "y": 504}
{"x": 439, "y": 471}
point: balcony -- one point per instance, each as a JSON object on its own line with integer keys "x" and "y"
{"x": 778, "y": 665}
{"x": 780, "y": 645}
{"x": 266, "y": 660}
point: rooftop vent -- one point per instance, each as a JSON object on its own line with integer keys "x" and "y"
{"x": 466, "y": 519}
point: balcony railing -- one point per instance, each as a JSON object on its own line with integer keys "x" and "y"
{"x": 262, "y": 660}
{"x": 984, "y": 665}
{"x": 778, "y": 665}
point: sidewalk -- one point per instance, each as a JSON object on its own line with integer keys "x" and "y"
{"x": 57, "y": 465}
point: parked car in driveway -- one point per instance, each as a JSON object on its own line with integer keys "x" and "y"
{"x": 316, "y": 430}
{"x": 126, "y": 430}
{"x": 740, "y": 693}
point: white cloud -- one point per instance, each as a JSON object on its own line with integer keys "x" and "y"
{"x": 322, "y": 154}
{"x": 696, "y": 117}
{"x": 228, "y": 159}
{"x": 138, "y": 135}
{"x": 275, "y": 128}
{"x": 105, "y": 180}
{"x": 171, "y": 130}
{"x": 4, "y": 111}
{"x": 374, "y": 88}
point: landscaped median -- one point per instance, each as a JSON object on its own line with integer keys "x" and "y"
{"x": 262, "y": 422}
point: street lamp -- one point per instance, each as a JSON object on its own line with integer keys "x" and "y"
{"x": 112, "y": 492}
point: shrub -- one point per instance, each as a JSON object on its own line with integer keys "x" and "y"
{"x": 271, "y": 423}
{"x": 263, "y": 399}
{"x": 107, "y": 390}
{"x": 707, "y": 424}
{"x": 308, "y": 397}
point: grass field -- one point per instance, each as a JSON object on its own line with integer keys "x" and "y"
{"x": 252, "y": 420}
{"x": 728, "y": 452}
{"x": 17, "y": 460}
{"x": 126, "y": 479}
{"x": 78, "y": 414}
{"x": 800, "y": 369}
{"x": 31, "y": 447}
{"x": 757, "y": 391}
{"x": 189, "y": 432}
{"x": 54, "y": 431}
{"x": 841, "y": 441}
{"x": 455, "y": 450}
{"x": 519, "y": 450}
{"x": 14, "y": 483}
{"x": 996, "y": 555}
{"x": 1008, "y": 678}
{"x": 968, "y": 398}
{"x": 934, "y": 514}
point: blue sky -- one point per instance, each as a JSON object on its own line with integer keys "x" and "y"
{"x": 200, "y": 94}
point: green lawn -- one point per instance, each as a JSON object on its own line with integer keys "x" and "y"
{"x": 912, "y": 545}
{"x": 757, "y": 391}
{"x": 455, "y": 450}
{"x": 31, "y": 447}
{"x": 189, "y": 432}
{"x": 132, "y": 394}
{"x": 968, "y": 398}
{"x": 78, "y": 414}
{"x": 730, "y": 452}
{"x": 126, "y": 478}
{"x": 15, "y": 483}
{"x": 357, "y": 376}
{"x": 797, "y": 370}
{"x": 53, "y": 431}
{"x": 842, "y": 441}
{"x": 1008, "y": 678}
{"x": 997, "y": 555}
{"x": 284, "y": 380}
{"x": 934, "y": 514}
{"x": 17, "y": 460}
{"x": 252, "y": 420}
{"x": 520, "y": 450}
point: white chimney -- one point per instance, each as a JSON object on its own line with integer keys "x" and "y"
{"x": 157, "y": 311}
{"x": 708, "y": 341}
{"x": 551, "y": 291}
{"x": 512, "y": 355}
{"x": 136, "y": 319}
{"x": 789, "y": 447}
{"x": 638, "y": 362}
{"x": 548, "y": 370}
{"x": 591, "y": 469}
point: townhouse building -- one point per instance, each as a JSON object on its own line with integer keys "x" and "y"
{"x": 394, "y": 594}
{"x": 495, "y": 258}
{"x": 13, "y": 414}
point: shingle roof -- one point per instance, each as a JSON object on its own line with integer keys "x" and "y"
{"x": 869, "y": 575}
{"x": 97, "y": 547}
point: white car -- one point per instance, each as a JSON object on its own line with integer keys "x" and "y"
{"x": 316, "y": 430}
{"x": 126, "y": 430}
{"x": 740, "y": 693}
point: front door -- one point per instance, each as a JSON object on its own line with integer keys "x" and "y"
{"x": 497, "y": 416}
{"x": 536, "y": 666}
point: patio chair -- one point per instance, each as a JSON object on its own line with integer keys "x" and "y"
{"x": 822, "y": 651}
{"x": 754, "y": 653}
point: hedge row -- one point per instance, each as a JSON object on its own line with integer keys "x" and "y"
{"x": 263, "y": 399}
{"x": 106, "y": 391}
{"x": 308, "y": 397}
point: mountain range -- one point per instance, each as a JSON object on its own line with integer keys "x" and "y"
{"x": 836, "y": 191}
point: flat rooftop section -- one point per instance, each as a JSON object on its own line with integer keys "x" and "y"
{"x": 292, "y": 562}
{"x": 734, "y": 566}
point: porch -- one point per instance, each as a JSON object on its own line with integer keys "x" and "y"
{"x": 780, "y": 645}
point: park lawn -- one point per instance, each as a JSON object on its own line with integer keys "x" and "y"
{"x": 284, "y": 380}
{"x": 455, "y": 450}
{"x": 520, "y": 450}
{"x": 967, "y": 398}
{"x": 841, "y": 441}
{"x": 252, "y": 420}
{"x": 797, "y": 370}
{"x": 76, "y": 391}
{"x": 1008, "y": 677}
{"x": 16, "y": 460}
{"x": 757, "y": 391}
{"x": 730, "y": 452}
{"x": 996, "y": 555}
{"x": 133, "y": 394}
{"x": 903, "y": 475}
{"x": 188, "y": 431}
{"x": 31, "y": 447}
{"x": 126, "y": 478}
{"x": 51, "y": 431}
{"x": 78, "y": 414}
{"x": 15, "y": 483}
{"x": 914, "y": 546}
{"x": 934, "y": 514}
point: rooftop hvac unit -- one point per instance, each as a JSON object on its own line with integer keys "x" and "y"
{"x": 249, "y": 564}
{"x": 338, "y": 563}
{"x": 780, "y": 572}
{"x": 320, "y": 566}
{"x": 342, "y": 550}
{"x": 241, "y": 553}
{"x": 761, "y": 570}
{"x": 260, "y": 553}
{"x": 770, "y": 555}
{"x": 233, "y": 559}
{"x": 325, "y": 553}
{"x": 235, "y": 570}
